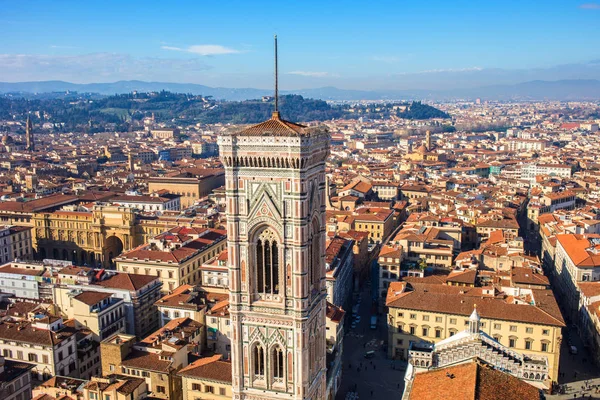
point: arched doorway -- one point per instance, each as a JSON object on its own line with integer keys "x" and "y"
{"x": 113, "y": 248}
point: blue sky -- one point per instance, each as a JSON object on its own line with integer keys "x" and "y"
{"x": 349, "y": 44}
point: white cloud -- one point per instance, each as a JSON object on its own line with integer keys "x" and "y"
{"x": 58, "y": 46}
{"x": 203, "y": 49}
{"x": 96, "y": 67}
{"x": 386, "y": 59}
{"x": 590, "y": 6}
{"x": 437, "y": 71}
{"x": 468, "y": 69}
{"x": 312, "y": 74}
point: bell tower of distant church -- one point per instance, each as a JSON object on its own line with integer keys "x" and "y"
{"x": 29, "y": 135}
{"x": 275, "y": 189}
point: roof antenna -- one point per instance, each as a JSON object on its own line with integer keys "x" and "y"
{"x": 276, "y": 111}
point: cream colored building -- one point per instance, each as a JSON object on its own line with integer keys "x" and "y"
{"x": 101, "y": 312}
{"x": 174, "y": 257}
{"x": 377, "y": 222}
{"x": 94, "y": 238}
{"x": 191, "y": 185}
{"x": 425, "y": 243}
{"x": 526, "y": 320}
{"x": 218, "y": 329}
{"x": 207, "y": 378}
{"x": 156, "y": 358}
{"x": 184, "y": 302}
{"x": 15, "y": 243}
{"x": 46, "y": 343}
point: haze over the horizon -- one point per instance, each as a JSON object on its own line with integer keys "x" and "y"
{"x": 391, "y": 45}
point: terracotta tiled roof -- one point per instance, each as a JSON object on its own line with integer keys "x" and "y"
{"x": 470, "y": 381}
{"x": 9, "y": 269}
{"x": 146, "y": 360}
{"x": 127, "y": 281}
{"x": 74, "y": 270}
{"x": 390, "y": 251}
{"x": 176, "y": 325}
{"x": 359, "y": 186}
{"x": 209, "y": 368}
{"x": 580, "y": 250}
{"x": 524, "y": 275}
{"x": 24, "y": 332}
{"x": 589, "y": 289}
{"x": 37, "y": 204}
{"x": 468, "y": 276}
{"x": 182, "y": 297}
{"x": 461, "y": 301}
{"x": 90, "y": 297}
{"x": 220, "y": 308}
{"x": 43, "y": 396}
{"x": 275, "y": 127}
{"x": 505, "y": 223}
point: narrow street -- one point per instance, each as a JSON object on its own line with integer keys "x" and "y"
{"x": 374, "y": 378}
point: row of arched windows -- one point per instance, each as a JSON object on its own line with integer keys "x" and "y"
{"x": 277, "y": 363}
{"x": 531, "y": 375}
{"x": 267, "y": 162}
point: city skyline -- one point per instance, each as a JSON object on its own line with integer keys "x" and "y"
{"x": 398, "y": 46}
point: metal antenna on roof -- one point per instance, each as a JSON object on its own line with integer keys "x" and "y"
{"x": 276, "y": 112}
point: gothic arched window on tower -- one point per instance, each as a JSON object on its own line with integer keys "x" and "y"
{"x": 258, "y": 355}
{"x": 267, "y": 263}
{"x": 277, "y": 363}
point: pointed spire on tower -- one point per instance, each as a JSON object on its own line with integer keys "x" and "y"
{"x": 276, "y": 94}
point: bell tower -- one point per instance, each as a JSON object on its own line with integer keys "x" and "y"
{"x": 29, "y": 135}
{"x": 275, "y": 192}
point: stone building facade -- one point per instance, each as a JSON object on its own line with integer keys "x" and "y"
{"x": 275, "y": 187}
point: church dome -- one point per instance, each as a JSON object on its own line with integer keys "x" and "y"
{"x": 422, "y": 149}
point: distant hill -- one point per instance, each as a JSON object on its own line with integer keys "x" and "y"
{"x": 533, "y": 90}
{"x": 122, "y": 87}
{"x": 126, "y": 111}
